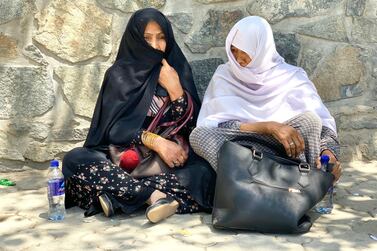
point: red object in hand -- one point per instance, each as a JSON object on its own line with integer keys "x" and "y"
{"x": 129, "y": 160}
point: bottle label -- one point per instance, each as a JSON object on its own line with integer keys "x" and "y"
{"x": 56, "y": 187}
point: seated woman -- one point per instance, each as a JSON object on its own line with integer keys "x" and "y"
{"x": 150, "y": 68}
{"x": 256, "y": 94}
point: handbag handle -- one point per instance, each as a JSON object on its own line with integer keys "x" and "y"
{"x": 152, "y": 126}
{"x": 257, "y": 154}
{"x": 186, "y": 117}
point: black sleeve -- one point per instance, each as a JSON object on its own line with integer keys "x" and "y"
{"x": 178, "y": 107}
{"x": 136, "y": 140}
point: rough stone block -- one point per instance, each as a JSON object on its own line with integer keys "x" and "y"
{"x": 129, "y": 6}
{"x": 81, "y": 86}
{"x": 355, "y": 7}
{"x": 364, "y": 30}
{"x": 25, "y": 91}
{"x": 310, "y": 57}
{"x": 214, "y": 30}
{"x": 274, "y": 11}
{"x": 8, "y": 47}
{"x": 74, "y": 30}
{"x": 341, "y": 68}
{"x": 329, "y": 28}
{"x": 203, "y": 71}
{"x": 213, "y": 1}
{"x": 287, "y": 46}
{"x": 12, "y": 9}
{"x": 183, "y": 21}
{"x": 41, "y": 152}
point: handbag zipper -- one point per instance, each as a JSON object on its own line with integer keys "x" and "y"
{"x": 289, "y": 189}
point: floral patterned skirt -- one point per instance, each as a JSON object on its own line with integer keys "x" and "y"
{"x": 127, "y": 194}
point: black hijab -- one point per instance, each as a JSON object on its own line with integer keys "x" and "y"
{"x": 130, "y": 83}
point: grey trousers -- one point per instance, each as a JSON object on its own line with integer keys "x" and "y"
{"x": 206, "y": 141}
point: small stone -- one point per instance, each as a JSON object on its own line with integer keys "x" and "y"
{"x": 33, "y": 53}
{"x": 349, "y": 91}
{"x": 373, "y": 237}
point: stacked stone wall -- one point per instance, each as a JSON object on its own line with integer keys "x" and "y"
{"x": 53, "y": 54}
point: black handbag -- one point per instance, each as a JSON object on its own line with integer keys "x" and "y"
{"x": 262, "y": 192}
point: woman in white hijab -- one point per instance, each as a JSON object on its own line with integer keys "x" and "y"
{"x": 258, "y": 95}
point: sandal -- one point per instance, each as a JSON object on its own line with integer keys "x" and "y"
{"x": 161, "y": 209}
{"x": 106, "y": 205}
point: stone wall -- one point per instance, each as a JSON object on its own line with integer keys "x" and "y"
{"x": 53, "y": 54}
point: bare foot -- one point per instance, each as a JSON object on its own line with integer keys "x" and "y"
{"x": 156, "y": 195}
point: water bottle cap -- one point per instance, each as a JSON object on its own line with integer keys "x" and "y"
{"x": 54, "y": 163}
{"x": 325, "y": 159}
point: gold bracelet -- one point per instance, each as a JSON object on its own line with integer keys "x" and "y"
{"x": 149, "y": 139}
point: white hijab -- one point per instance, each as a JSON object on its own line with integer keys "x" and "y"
{"x": 267, "y": 89}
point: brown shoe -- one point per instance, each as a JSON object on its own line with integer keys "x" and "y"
{"x": 161, "y": 209}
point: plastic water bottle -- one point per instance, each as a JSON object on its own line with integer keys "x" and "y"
{"x": 55, "y": 192}
{"x": 325, "y": 206}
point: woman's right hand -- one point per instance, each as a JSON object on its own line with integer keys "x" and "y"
{"x": 289, "y": 137}
{"x": 170, "y": 152}
{"x": 169, "y": 80}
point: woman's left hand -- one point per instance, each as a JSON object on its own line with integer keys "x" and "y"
{"x": 169, "y": 79}
{"x": 337, "y": 169}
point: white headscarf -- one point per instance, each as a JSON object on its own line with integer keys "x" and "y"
{"x": 267, "y": 89}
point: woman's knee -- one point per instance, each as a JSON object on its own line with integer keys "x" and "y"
{"x": 198, "y": 135}
{"x": 72, "y": 156}
{"x": 313, "y": 121}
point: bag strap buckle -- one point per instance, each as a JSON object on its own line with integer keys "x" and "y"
{"x": 304, "y": 167}
{"x": 257, "y": 155}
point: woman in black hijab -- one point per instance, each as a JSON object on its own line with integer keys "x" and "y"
{"x": 150, "y": 68}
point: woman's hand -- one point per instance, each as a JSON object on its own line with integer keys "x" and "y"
{"x": 289, "y": 137}
{"x": 169, "y": 80}
{"x": 170, "y": 152}
{"x": 337, "y": 169}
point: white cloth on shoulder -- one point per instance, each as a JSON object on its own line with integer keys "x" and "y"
{"x": 267, "y": 89}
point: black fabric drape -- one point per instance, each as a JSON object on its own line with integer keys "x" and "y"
{"x": 130, "y": 83}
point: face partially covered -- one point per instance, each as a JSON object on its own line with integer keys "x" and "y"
{"x": 154, "y": 36}
{"x": 242, "y": 58}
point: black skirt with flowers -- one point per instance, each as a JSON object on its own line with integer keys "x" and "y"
{"x": 89, "y": 173}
